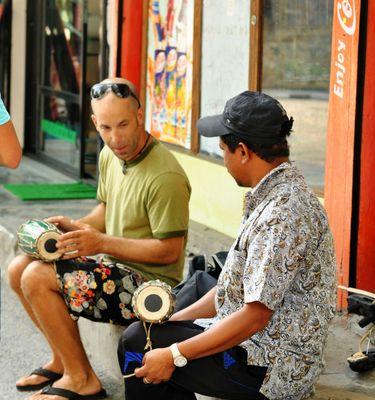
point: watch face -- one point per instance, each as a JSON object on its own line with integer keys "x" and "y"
{"x": 180, "y": 361}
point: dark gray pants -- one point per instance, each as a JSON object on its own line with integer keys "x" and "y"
{"x": 225, "y": 375}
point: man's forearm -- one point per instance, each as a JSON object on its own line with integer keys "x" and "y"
{"x": 203, "y": 308}
{"x": 149, "y": 251}
{"x": 228, "y": 332}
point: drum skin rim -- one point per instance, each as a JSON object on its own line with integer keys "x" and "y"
{"x": 38, "y": 242}
{"x": 167, "y": 290}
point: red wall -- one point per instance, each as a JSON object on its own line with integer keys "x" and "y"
{"x": 365, "y": 276}
{"x": 131, "y": 41}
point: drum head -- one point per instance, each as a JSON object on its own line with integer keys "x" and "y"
{"x": 46, "y": 246}
{"x": 153, "y": 302}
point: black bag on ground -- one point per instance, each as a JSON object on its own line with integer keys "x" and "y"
{"x": 202, "y": 277}
{"x": 364, "y": 306}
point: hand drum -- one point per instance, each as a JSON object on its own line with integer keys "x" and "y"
{"x": 153, "y": 302}
{"x": 38, "y": 239}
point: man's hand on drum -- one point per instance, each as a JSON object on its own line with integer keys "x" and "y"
{"x": 65, "y": 224}
{"x": 157, "y": 366}
{"x": 85, "y": 241}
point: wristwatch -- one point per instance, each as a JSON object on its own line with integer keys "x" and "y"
{"x": 178, "y": 359}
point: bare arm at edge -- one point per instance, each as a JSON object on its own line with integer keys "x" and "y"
{"x": 10, "y": 148}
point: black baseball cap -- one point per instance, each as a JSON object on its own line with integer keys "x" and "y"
{"x": 251, "y": 116}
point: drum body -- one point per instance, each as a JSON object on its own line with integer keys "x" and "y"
{"x": 38, "y": 239}
{"x": 154, "y": 302}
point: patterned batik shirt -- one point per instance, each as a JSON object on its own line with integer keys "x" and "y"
{"x": 283, "y": 258}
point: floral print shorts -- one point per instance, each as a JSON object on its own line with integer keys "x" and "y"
{"x": 96, "y": 290}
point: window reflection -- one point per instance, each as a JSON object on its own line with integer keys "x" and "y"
{"x": 64, "y": 61}
{"x": 60, "y": 126}
{"x": 296, "y": 67}
{"x": 225, "y": 31}
{"x": 63, "y": 43}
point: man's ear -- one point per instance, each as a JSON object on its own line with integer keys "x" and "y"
{"x": 140, "y": 116}
{"x": 95, "y": 122}
{"x": 244, "y": 153}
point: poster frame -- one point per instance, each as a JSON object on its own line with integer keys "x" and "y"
{"x": 196, "y": 70}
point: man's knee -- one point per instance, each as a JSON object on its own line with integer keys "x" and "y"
{"x": 15, "y": 270}
{"x": 133, "y": 338}
{"x": 37, "y": 278}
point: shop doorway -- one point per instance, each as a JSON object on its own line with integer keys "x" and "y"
{"x": 66, "y": 54}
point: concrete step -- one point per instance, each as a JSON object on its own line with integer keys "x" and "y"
{"x": 331, "y": 393}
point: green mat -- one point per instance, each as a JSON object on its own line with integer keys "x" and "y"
{"x": 59, "y": 191}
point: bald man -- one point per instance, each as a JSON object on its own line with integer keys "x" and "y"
{"x": 140, "y": 225}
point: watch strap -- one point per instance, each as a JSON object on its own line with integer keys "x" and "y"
{"x": 175, "y": 351}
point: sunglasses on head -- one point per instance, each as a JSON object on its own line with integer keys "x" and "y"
{"x": 122, "y": 90}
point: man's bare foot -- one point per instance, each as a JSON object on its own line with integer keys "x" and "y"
{"x": 78, "y": 383}
{"x": 54, "y": 366}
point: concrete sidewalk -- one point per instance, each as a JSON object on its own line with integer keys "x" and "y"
{"x": 23, "y": 348}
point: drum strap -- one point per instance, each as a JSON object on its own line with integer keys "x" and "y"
{"x": 148, "y": 338}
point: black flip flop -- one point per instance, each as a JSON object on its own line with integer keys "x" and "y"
{"x": 53, "y": 391}
{"x": 46, "y": 373}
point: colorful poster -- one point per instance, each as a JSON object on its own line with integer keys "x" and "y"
{"x": 170, "y": 70}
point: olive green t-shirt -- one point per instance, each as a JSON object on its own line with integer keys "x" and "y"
{"x": 149, "y": 200}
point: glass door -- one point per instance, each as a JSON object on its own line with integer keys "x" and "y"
{"x": 71, "y": 61}
{"x": 60, "y": 90}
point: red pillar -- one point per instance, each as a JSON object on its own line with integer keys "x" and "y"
{"x": 338, "y": 190}
{"x": 365, "y": 275}
{"x": 131, "y": 41}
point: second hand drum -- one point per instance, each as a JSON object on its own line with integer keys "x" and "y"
{"x": 38, "y": 239}
{"x": 153, "y": 302}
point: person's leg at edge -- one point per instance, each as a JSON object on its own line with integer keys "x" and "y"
{"x": 224, "y": 375}
{"x": 15, "y": 271}
{"x": 39, "y": 286}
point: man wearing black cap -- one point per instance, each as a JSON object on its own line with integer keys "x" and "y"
{"x": 266, "y": 321}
